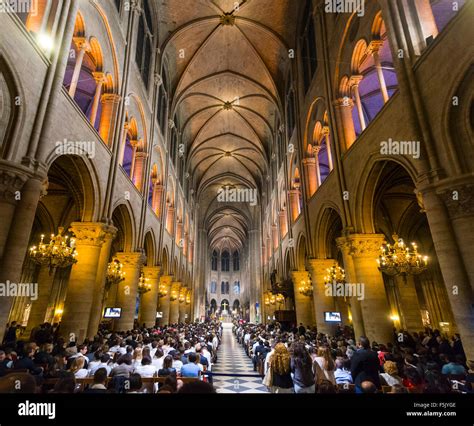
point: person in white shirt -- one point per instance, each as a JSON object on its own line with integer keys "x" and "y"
{"x": 104, "y": 363}
{"x": 78, "y": 369}
{"x": 177, "y": 363}
{"x": 157, "y": 361}
{"x": 146, "y": 369}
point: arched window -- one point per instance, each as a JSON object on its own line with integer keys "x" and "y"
{"x": 214, "y": 261}
{"x": 236, "y": 261}
{"x": 222, "y": 287}
{"x": 290, "y": 114}
{"x": 225, "y": 262}
{"x": 162, "y": 102}
{"x": 236, "y": 287}
{"x": 308, "y": 46}
{"x": 213, "y": 287}
{"x": 143, "y": 52}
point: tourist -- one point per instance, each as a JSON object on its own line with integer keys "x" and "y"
{"x": 78, "y": 368}
{"x": 100, "y": 380}
{"x": 302, "y": 369}
{"x": 145, "y": 369}
{"x": 280, "y": 368}
{"x": 192, "y": 368}
{"x": 342, "y": 373}
{"x": 324, "y": 366}
{"x": 365, "y": 365}
{"x": 390, "y": 376}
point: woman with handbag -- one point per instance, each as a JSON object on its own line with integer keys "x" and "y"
{"x": 278, "y": 376}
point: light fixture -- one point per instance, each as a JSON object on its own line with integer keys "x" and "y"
{"x": 162, "y": 290}
{"x": 182, "y": 295}
{"x": 58, "y": 253}
{"x": 143, "y": 285}
{"x": 45, "y": 41}
{"x": 174, "y": 295}
{"x": 399, "y": 259}
{"x": 394, "y": 317}
{"x": 188, "y": 298}
{"x": 115, "y": 273}
{"x": 305, "y": 288}
{"x": 335, "y": 274}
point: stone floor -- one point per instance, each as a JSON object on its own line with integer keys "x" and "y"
{"x": 233, "y": 360}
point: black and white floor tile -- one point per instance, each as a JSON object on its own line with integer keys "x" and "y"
{"x": 232, "y": 359}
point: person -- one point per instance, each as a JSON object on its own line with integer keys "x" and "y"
{"x": 302, "y": 369}
{"x": 342, "y": 373}
{"x": 177, "y": 363}
{"x": 191, "y": 369}
{"x": 135, "y": 383}
{"x": 123, "y": 368}
{"x": 26, "y": 362}
{"x": 301, "y": 329}
{"x": 390, "y": 376}
{"x": 146, "y": 369}
{"x": 454, "y": 367}
{"x": 100, "y": 379}
{"x": 324, "y": 366}
{"x": 10, "y": 335}
{"x": 365, "y": 365}
{"x": 81, "y": 353}
{"x": 104, "y": 363}
{"x": 197, "y": 386}
{"x": 280, "y": 364}
{"x": 367, "y": 386}
{"x": 77, "y": 368}
{"x": 167, "y": 368}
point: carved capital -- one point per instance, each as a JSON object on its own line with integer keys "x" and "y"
{"x": 459, "y": 200}
{"x": 361, "y": 245}
{"x": 374, "y": 46}
{"x": 158, "y": 80}
{"x": 345, "y": 102}
{"x": 91, "y": 233}
{"x": 131, "y": 259}
{"x": 82, "y": 44}
{"x": 110, "y": 98}
{"x": 152, "y": 272}
{"x": 319, "y": 266}
{"x": 355, "y": 80}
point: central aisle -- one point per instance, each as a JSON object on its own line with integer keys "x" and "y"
{"x": 233, "y": 360}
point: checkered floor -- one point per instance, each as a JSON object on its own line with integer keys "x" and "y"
{"x": 233, "y": 360}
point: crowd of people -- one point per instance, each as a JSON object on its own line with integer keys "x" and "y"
{"x": 301, "y": 360}
{"x": 179, "y": 356}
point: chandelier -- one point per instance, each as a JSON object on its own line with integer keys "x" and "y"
{"x": 162, "y": 290}
{"x": 58, "y": 253}
{"x": 305, "y": 288}
{"x": 182, "y": 295}
{"x": 174, "y": 295}
{"x": 273, "y": 299}
{"x": 400, "y": 259}
{"x": 115, "y": 273}
{"x": 188, "y": 298}
{"x": 143, "y": 285}
{"x": 335, "y": 274}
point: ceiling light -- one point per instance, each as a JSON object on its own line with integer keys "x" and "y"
{"x": 45, "y": 41}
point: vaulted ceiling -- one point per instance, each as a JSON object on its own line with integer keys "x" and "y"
{"x": 226, "y": 65}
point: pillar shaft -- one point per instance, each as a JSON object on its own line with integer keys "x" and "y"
{"x": 40, "y": 306}
{"x": 164, "y": 301}
{"x": 99, "y": 79}
{"x": 138, "y": 170}
{"x": 309, "y": 165}
{"x": 149, "y": 300}
{"x": 82, "y": 47}
{"x": 108, "y": 117}
{"x": 294, "y": 203}
{"x": 355, "y": 80}
{"x": 344, "y": 106}
{"x": 303, "y": 304}
{"x": 174, "y": 304}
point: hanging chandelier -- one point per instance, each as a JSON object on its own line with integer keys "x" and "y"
{"x": 115, "y": 272}
{"x": 400, "y": 259}
{"x": 143, "y": 285}
{"x": 305, "y": 288}
{"x": 182, "y": 295}
{"x": 273, "y": 299}
{"x": 174, "y": 295}
{"x": 162, "y": 290}
{"x": 58, "y": 253}
{"x": 335, "y": 274}
{"x": 188, "y": 298}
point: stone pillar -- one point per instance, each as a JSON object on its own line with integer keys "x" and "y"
{"x": 108, "y": 117}
{"x": 294, "y": 203}
{"x": 97, "y": 304}
{"x": 269, "y": 248}
{"x": 451, "y": 263}
{"x": 327, "y": 134}
{"x": 410, "y": 312}
{"x": 344, "y": 107}
{"x": 182, "y": 306}
{"x": 303, "y": 304}
{"x": 316, "y": 150}
{"x": 123, "y": 142}
{"x": 275, "y": 237}
{"x": 139, "y": 169}
{"x": 128, "y": 289}
{"x": 164, "y": 301}
{"x": 283, "y": 219}
{"x": 354, "y": 84}
{"x": 309, "y": 166}
{"x": 18, "y": 232}
{"x": 82, "y": 46}
{"x": 82, "y": 282}
{"x": 170, "y": 220}
{"x": 364, "y": 250}
{"x": 322, "y": 301}
{"x": 99, "y": 78}
{"x": 179, "y": 233}
{"x": 174, "y": 304}
{"x": 157, "y": 199}
{"x": 40, "y": 306}
{"x": 149, "y": 300}
{"x": 374, "y": 48}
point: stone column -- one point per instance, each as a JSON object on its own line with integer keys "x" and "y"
{"x": 123, "y": 142}
{"x": 99, "y": 78}
{"x": 303, "y": 304}
{"x": 40, "y": 306}
{"x": 139, "y": 169}
{"x": 164, "y": 301}
{"x": 354, "y": 303}
{"x": 316, "y": 150}
{"x": 182, "y": 307}
{"x": 410, "y": 314}
{"x": 344, "y": 107}
{"x": 82, "y": 46}
{"x": 322, "y": 301}
{"x": 108, "y": 117}
{"x": 327, "y": 134}
{"x": 96, "y": 308}
{"x": 374, "y": 48}
{"x": 15, "y": 245}
{"x": 309, "y": 165}
{"x": 179, "y": 233}
{"x": 174, "y": 304}
{"x": 149, "y": 300}
{"x": 82, "y": 282}
{"x": 364, "y": 250}
{"x": 283, "y": 218}
{"x": 157, "y": 199}
{"x": 275, "y": 237}
{"x": 170, "y": 220}
{"x": 128, "y": 289}
{"x": 354, "y": 84}
{"x": 294, "y": 203}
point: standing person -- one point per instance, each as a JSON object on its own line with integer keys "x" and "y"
{"x": 302, "y": 369}
{"x": 280, "y": 368}
{"x": 365, "y": 365}
{"x": 10, "y": 335}
{"x": 324, "y": 366}
{"x": 301, "y": 329}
